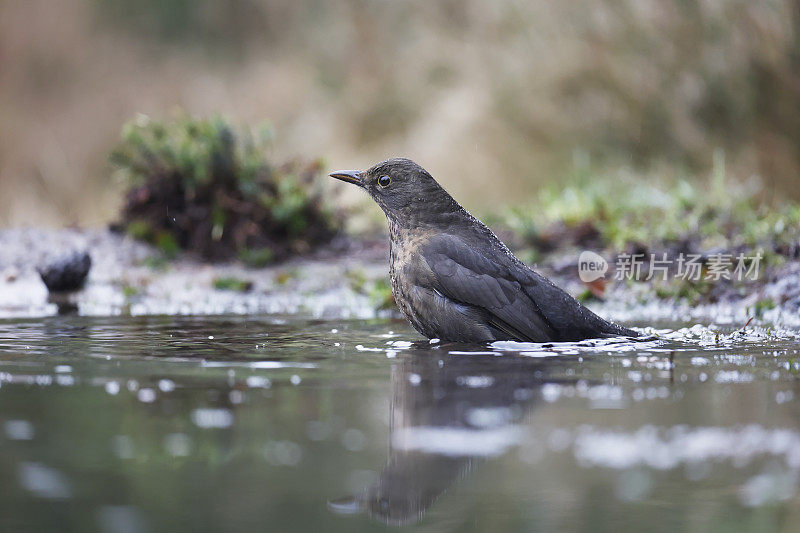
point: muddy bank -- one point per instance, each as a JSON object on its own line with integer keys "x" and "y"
{"x": 347, "y": 280}
{"x": 129, "y": 277}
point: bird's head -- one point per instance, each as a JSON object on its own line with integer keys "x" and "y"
{"x": 405, "y": 191}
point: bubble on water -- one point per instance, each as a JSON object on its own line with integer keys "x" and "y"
{"x": 551, "y": 392}
{"x": 456, "y": 441}
{"x": 768, "y": 487}
{"x": 18, "y": 429}
{"x": 362, "y": 348}
{"x": 522, "y": 395}
{"x": 549, "y": 349}
{"x": 401, "y": 344}
{"x": 212, "y": 417}
{"x": 667, "y": 448}
{"x": 605, "y": 397}
{"x": 295, "y": 379}
{"x": 44, "y": 380}
{"x": 784, "y": 396}
{"x": 62, "y": 369}
{"x": 112, "y": 387}
{"x": 166, "y": 385}
{"x": 414, "y": 379}
{"x": 43, "y": 481}
{"x": 475, "y": 382}
{"x": 146, "y": 395}
{"x": 258, "y": 382}
{"x": 178, "y": 444}
{"x": 485, "y": 417}
{"x": 733, "y": 376}
{"x": 236, "y": 396}
{"x": 540, "y": 353}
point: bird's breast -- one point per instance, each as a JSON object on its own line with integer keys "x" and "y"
{"x": 408, "y": 269}
{"x": 406, "y": 261}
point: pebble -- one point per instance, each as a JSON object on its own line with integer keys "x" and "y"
{"x": 66, "y": 272}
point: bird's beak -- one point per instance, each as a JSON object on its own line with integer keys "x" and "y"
{"x": 350, "y": 176}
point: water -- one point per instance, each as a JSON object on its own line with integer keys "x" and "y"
{"x": 241, "y": 424}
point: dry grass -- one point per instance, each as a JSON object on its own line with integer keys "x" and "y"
{"x": 495, "y": 98}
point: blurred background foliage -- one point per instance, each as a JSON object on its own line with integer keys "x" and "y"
{"x": 206, "y": 186}
{"x": 498, "y": 99}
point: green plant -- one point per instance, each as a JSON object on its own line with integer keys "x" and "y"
{"x": 625, "y": 210}
{"x": 129, "y": 291}
{"x": 381, "y": 295}
{"x": 379, "y": 290}
{"x": 231, "y": 283}
{"x": 257, "y": 257}
{"x": 763, "y": 305}
{"x": 198, "y": 184}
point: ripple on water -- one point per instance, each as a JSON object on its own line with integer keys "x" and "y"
{"x": 295, "y": 394}
{"x": 665, "y": 448}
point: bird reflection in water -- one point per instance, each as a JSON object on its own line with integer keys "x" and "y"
{"x": 448, "y": 412}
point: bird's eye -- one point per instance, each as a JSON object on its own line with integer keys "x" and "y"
{"x": 384, "y": 181}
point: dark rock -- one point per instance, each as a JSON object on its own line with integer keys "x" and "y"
{"x": 66, "y": 272}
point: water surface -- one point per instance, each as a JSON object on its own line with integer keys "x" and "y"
{"x": 263, "y": 423}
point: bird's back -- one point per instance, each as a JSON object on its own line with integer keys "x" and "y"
{"x": 461, "y": 282}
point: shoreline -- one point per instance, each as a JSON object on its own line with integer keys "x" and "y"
{"x": 349, "y": 282}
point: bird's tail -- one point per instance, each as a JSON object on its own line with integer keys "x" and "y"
{"x": 615, "y": 330}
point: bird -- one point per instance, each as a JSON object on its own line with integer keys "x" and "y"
{"x": 454, "y": 279}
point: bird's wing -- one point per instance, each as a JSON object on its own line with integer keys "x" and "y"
{"x": 497, "y": 285}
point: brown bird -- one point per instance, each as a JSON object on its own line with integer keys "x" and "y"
{"x": 454, "y": 279}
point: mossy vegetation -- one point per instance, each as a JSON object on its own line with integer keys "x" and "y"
{"x": 130, "y": 292}
{"x": 198, "y": 184}
{"x": 230, "y": 283}
{"x": 378, "y": 290}
{"x": 626, "y": 214}
{"x": 624, "y": 211}
{"x": 763, "y": 305}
